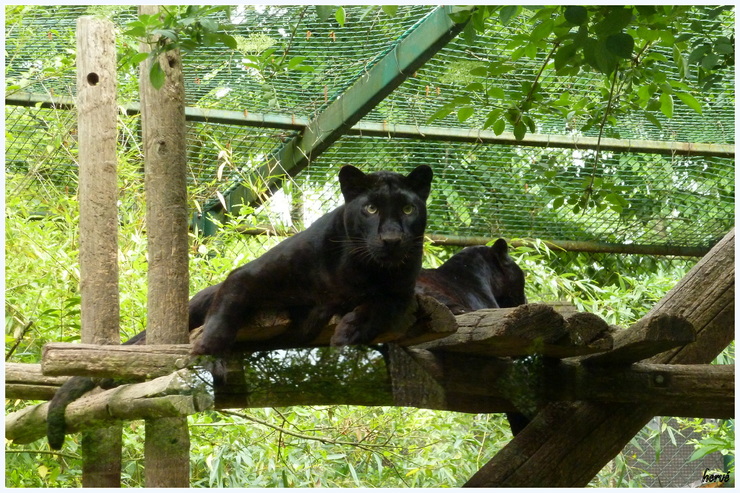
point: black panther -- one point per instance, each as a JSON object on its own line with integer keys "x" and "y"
{"x": 359, "y": 261}
{"x": 475, "y": 278}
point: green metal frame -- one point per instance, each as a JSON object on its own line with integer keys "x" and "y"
{"x": 385, "y": 74}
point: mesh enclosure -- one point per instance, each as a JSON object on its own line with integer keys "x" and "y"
{"x": 482, "y": 190}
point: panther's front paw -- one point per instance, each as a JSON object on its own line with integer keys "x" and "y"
{"x": 349, "y": 332}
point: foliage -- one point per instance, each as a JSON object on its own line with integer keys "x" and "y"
{"x": 624, "y": 44}
{"x": 175, "y": 28}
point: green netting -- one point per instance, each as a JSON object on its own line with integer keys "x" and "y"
{"x": 482, "y": 190}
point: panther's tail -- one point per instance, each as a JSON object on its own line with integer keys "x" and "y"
{"x": 71, "y": 390}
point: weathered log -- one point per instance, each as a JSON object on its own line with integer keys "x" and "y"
{"x": 124, "y": 362}
{"x": 567, "y": 444}
{"x": 25, "y": 381}
{"x": 535, "y": 328}
{"x": 465, "y": 383}
{"x": 675, "y": 390}
{"x": 433, "y": 320}
{"x": 180, "y": 394}
{"x": 648, "y": 337}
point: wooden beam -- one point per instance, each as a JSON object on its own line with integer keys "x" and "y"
{"x": 648, "y": 337}
{"x": 433, "y": 320}
{"x": 164, "y": 144}
{"x": 25, "y": 381}
{"x": 535, "y": 328}
{"x": 179, "y": 394}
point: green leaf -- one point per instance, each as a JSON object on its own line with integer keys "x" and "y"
{"x": 493, "y": 115}
{"x": 138, "y": 31}
{"x": 520, "y": 130}
{"x": 295, "y": 61}
{"x": 340, "y": 16}
{"x": 644, "y": 93}
{"x": 605, "y": 60}
{"x": 709, "y": 61}
{"x": 390, "y": 9}
{"x": 542, "y": 30}
{"x": 440, "y": 113}
{"x": 323, "y": 12}
{"x": 464, "y": 113}
{"x": 576, "y": 15}
{"x": 529, "y": 123}
{"x": 507, "y": 13}
{"x": 138, "y": 58}
{"x": 499, "y": 126}
{"x": 616, "y": 19}
{"x": 652, "y": 119}
{"x": 209, "y": 25}
{"x": 166, "y": 33}
{"x": 228, "y": 40}
{"x": 699, "y": 53}
{"x": 157, "y": 75}
{"x": 479, "y": 71}
{"x": 690, "y": 101}
{"x": 564, "y": 54}
{"x": 496, "y": 92}
{"x": 620, "y": 44}
{"x": 666, "y": 104}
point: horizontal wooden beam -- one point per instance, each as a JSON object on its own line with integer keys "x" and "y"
{"x": 676, "y": 390}
{"x": 179, "y": 394}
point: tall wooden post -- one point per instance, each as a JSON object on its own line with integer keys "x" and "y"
{"x": 98, "y": 196}
{"x": 167, "y": 446}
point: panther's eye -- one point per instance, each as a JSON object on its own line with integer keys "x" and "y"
{"x": 371, "y": 209}
{"x": 408, "y": 209}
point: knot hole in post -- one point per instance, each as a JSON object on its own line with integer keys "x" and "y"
{"x": 93, "y": 79}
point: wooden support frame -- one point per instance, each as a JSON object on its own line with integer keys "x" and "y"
{"x": 568, "y": 443}
{"x": 451, "y": 371}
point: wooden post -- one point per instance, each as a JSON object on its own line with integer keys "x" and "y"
{"x": 167, "y": 444}
{"x": 98, "y": 196}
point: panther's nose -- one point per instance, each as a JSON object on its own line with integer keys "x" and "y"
{"x": 391, "y": 239}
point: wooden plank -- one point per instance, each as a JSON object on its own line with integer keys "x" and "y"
{"x": 124, "y": 362}
{"x": 433, "y": 320}
{"x": 25, "y": 381}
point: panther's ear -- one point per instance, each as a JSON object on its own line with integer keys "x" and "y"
{"x": 501, "y": 248}
{"x": 420, "y": 181}
{"x": 352, "y": 182}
